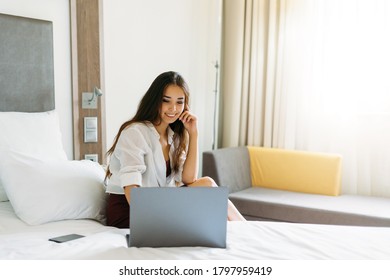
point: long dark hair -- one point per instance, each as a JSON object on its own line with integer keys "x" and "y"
{"x": 149, "y": 111}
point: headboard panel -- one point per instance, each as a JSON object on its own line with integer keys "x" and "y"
{"x": 26, "y": 64}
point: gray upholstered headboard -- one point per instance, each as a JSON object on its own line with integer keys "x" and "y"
{"x": 26, "y": 64}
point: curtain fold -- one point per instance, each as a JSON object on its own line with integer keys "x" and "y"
{"x": 248, "y": 78}
{"x": 311, "y": 75}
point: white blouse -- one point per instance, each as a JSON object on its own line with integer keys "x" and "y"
{"x": 138, "y": 159}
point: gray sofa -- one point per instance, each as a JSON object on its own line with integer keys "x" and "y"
{"x": 231, "y": 167}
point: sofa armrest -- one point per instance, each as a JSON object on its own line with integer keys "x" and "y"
{"x": 229, "y": 167}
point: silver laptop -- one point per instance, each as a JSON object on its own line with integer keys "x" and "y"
{"x": 173, "y": 217}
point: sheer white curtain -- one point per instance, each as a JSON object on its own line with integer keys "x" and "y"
{"x": 314, "y": 75}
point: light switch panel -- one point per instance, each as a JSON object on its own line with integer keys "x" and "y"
{"x": 91, "y": 123}
{"x": 90, "y": 129}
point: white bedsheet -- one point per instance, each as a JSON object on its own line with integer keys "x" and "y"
{"x": 245, "y": 240}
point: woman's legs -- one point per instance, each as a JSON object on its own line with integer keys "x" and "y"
{"x": 117, "y": 211}
{"x": 233, "y": 213}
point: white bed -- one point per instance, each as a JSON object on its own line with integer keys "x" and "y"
{"x": 245, "y": 241}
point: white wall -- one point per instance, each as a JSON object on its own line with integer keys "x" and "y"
{"x": 141, "y": 39}
{"x": 58, "y": 12}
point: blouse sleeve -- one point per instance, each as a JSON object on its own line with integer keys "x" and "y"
{"x": 130, "y": 151}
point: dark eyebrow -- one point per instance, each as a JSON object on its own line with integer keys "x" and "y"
{"x": 166, "y": 96}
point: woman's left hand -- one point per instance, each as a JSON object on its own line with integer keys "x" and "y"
{"x": 189, "y": 120}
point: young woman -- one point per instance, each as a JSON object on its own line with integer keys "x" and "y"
{"x": 157, "y": 147}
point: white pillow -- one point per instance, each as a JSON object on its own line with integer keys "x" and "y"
{"x": 32, "y": 133}
{"x": 42, "y": 191}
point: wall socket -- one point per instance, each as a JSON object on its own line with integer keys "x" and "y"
{"x": 91, "y": 157}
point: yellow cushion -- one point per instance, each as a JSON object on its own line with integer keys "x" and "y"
{"x": 298, "y": 171}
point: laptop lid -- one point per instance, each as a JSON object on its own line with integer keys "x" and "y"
{"x": 173, "y": 217}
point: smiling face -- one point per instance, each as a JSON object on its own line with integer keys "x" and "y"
{"x": 173, "y": 104}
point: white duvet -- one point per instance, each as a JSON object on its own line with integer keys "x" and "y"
{"x": 245, "y": 240}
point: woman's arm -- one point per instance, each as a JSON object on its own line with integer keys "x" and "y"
{"x": 190, "y": 168}
{"x": 129, "y": 159}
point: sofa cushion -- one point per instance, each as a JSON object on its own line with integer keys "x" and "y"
{"x": 268, "y": 204}
{"x": 299, "y": 171}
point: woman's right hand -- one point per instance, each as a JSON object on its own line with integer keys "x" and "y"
{"x": 189, "y": 120}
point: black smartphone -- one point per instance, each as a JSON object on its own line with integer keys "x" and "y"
{"x": 65, "y": 238}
